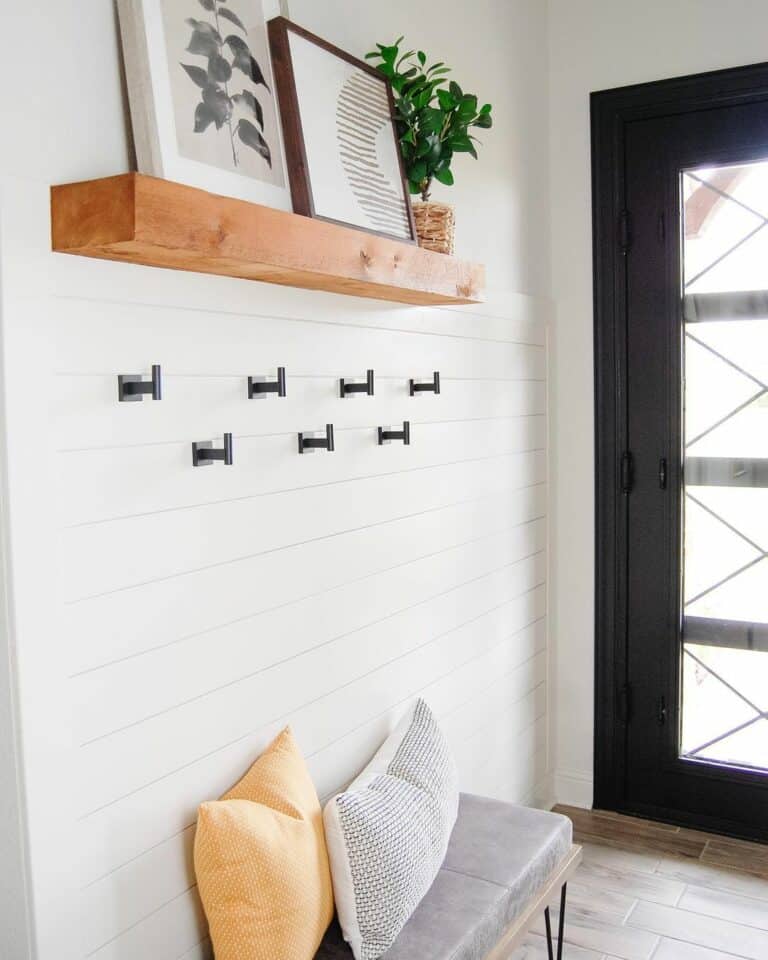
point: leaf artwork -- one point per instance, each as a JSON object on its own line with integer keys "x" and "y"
{"x": 222, "y": 54}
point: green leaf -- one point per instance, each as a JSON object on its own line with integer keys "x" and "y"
{"x": 455, "y": 90}
{"x": 247, "y": 101}
{"x": 253, "y": 139}
{"x": 233, "y": 18}
{"x": 405, "y": 56}
{"x": 445, "y": 177}
{"x": 486, "y": 108}
{"x": 431, "y": 120}
{"x": 414, "y": 187}
{"x": 422, "y": 57}
{"x": 436, "y": 66}
{"x": 418, "y": 171}
{"x": 484, "y": 121}
{"x": 460, "y": 144}
{"x": 372, "y": 54}
{"x": 446, "y": 100}
{"x": 196, "y": 74}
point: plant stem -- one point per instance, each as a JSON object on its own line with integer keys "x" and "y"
{"x": 226, "y": 89}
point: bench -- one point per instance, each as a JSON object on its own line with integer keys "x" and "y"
{"x": 503, "y": 867}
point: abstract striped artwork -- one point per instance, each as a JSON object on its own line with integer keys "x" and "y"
{"x": 362, "y": 118}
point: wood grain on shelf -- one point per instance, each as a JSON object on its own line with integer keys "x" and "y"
{"x": 158, "y": 223}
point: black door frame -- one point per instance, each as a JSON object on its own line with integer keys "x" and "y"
{"x": 611, "y": 111}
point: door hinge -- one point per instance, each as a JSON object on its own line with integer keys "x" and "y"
{"x": 625, "y": 236}
{"x": 627, "y": 471}
{"x": 624, "y": 703}
{"x": 661, "y": 716}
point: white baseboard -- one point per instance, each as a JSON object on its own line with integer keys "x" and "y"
{"x": 574, "y": 788}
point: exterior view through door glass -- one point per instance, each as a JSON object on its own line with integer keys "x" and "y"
{"x": 724, "y": 716}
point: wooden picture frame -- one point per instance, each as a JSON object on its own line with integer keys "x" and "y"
{"x": 362, "y": 182}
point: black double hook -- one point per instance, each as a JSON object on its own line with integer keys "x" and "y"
{"x": 309, "y": 443}
{"x": 259, "y": 387}
{"x": 346, "y": 389}
{"x": 131, "y": 387}
{"x": 431, "y": 386}
{"x": 204, "y": 453}
{"x": 387, "y": 434}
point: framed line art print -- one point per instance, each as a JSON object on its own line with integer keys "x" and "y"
{"x": 202, "y": 95}
{"x": 341, "y": 144}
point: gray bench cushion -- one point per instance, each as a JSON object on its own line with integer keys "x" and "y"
{"x": 498, "y": 858}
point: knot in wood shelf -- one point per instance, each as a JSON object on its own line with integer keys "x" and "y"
{"x": 158, "y": 223}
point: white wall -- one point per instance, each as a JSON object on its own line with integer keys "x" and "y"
{"x": 594, "y": 45}
{"x": 167, "y": 621}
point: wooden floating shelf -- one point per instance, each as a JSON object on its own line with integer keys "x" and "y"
{"x": 158, "y": 223}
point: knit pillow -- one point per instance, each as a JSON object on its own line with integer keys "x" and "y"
{"x": 388, "y": 833}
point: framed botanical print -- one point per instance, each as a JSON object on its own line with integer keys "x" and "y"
{"x": 341, "y": 143}
{"x": 202, "y": 95}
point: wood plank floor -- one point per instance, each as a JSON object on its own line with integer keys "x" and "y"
{"x": 651, "y": 891}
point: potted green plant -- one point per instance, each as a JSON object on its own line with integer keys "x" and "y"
{"x": 434, "y": 117}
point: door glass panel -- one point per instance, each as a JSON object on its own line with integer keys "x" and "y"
{"x": 725, "y": 536}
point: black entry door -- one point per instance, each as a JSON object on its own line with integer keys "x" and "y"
{"x": 681, "y": 270}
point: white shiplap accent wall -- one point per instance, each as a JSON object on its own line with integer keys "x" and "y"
{"x": 173, "y": 619}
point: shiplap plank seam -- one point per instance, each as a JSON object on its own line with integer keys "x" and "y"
{"x": 328, "y": 643}
{"x": 358, "y": 428}
{"x": 271, "y": 720}
{"x": 369, "y": 721}
{"x": 297, "y": 600}
{"x": 267, "y": 722}
{"x": 309, "y": 486}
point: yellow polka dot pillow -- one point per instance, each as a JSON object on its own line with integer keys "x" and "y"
{"x": 261, "y": 862}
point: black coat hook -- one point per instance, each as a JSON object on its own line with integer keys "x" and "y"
{"x": 345, "y": 389}
{"x": 405, "y": 434}
{"x": 259, "y": 387}
{"x": 432, "y": 386}
{"x": 204, "y": 453}
{"x": 131, "y": 387}
{"x": 308, "y": 444}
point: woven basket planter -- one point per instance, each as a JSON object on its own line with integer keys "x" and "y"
{"x": 435, "y": 226}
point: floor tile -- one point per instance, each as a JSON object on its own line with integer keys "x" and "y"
{"x": 615, "y": 857}
{"x": 535, "y": 948}
{"x": 726, "y": 906}
{"x": 641, "y": 886}
{"x": 701, "y": 930}
{"x": 593, "y": 931}
{"x": 676, "y": 950}
{"x": 719, "y": 878}
{"x": 738, "y": 854}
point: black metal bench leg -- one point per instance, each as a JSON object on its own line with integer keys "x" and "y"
{"x": 550, "y": 952}
{"x": 561, "y": 926}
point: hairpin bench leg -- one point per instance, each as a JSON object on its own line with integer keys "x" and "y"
{"x": 560, "y": 928}
{"x": 550, "y": 952}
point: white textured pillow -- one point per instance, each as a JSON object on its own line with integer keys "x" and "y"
{"x": 387, "y": 834}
